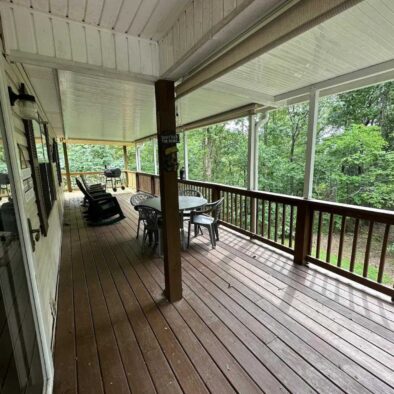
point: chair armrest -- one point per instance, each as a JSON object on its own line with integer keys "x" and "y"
{"x": 198, "y": 212}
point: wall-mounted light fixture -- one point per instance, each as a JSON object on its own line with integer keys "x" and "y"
{"x": 27, "y": 103}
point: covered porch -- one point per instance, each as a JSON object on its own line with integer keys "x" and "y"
{"x": 249, "y": 321}
{"x": 276, "y": 307}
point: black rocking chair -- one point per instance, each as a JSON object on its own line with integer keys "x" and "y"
{"x": 102, "y": 210}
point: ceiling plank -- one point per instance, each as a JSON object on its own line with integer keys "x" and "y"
{"x": 110, "y": 13}
{"x": 93, "y": 11}
{"x": 59, "y": 7}
{"x": 143, "y": 14}
{"x": 76, "y": 10}
{"x": 40, "y": 5}
{"x": 127, "y": 14}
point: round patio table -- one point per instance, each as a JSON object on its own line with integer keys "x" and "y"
{"x": 186, "y": 203}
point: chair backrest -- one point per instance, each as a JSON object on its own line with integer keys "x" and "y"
{"x": 217, "y": 209}
{"x": 139, "y": 197}
{"x": 150, "y": 216}
{"x": 190, "y": 192}
{"x": 83, "y": 179}
{"x": 83, "y": 190}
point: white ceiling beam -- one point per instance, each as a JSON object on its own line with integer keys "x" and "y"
{"x": 251, "y": 95}
{"x": 43, "y": 39}
{"x": 234, "y": 113}
{"x": 297, "y": 19}
{"x": 368, "y": 76}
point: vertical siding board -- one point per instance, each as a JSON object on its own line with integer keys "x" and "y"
{"x": 62, "y": 39}
{"x": 7, "y": 19}
{"x": 134, "y": 55}
{"x": 170, "y": 52}
{"x": 108, "y": 49}
{"x": 43, "y": 28}
{"x": 78, "y": 42}
{"x": 217, "y": 11}
{"x": 176, "y": 41}
{"x": 122, "y": 61}
{"x": 93, "y": 45}
{"x": 163, "y": 51}
{"x": 197, "y": 20}
{"x": 189, "y": 26}
{"x": 229, "y": 6}
{"x": 155, "y": 58}
{"x": 182, "y": 34}
{"x": 24, "y": 30}
{"x": 206, "y": 16}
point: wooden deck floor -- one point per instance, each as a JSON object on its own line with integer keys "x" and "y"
{"x": 249, "y": 322}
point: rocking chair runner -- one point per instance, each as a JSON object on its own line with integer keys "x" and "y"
{"x": 102, "y": 210}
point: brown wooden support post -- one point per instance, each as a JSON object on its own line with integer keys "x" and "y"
{"x": 166, "y": 128}
{"x": 253, "y": 215}
{"x": 137, "y": 181}
{"x": 67, "y": 165}
{"x": 126, "y": 164}
{"x": 153, "y": 185}
{"x": 215, "y": 194}
{"x": 303, "y": 232}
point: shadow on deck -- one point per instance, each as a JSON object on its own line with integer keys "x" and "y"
{"x": 250, "y": 321}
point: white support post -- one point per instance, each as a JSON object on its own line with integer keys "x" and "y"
{"x": 311, "y": 143}
{"x": 252, "y": 168}
{"x": 185, "y": 156}
{"x": 138, "y": 158}
{"x": 252, "y": 153}
{"x": 155, "y": 156}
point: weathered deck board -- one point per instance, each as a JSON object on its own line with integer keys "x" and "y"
{"x": 250, "y": 321}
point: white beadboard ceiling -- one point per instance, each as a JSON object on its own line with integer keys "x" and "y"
{"x": 109, "y": 109}
{"x": 106, "y": 109}
{"x": 145, "y": 18}
{"x": 358, "y": 38}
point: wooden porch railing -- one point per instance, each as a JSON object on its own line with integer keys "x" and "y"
{"x": 313, "y": 231}
{"x": 97, "y": 177}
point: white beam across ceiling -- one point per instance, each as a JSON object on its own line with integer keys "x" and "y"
{"x": 371, "y": 75}
{"x": 43, "y": 39}
{"x": 294, "y": 21}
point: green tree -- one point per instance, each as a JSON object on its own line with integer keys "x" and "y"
{"x": 353, "y": 167}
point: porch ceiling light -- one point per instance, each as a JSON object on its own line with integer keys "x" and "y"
{"x": 27, "y": 103}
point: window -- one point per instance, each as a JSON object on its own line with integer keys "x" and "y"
{"x": 40, "y": 152}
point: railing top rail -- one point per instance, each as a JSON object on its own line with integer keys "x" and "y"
{"x": 378, "y": 215}
{"x": 276, "y": 197}
{"x": 84, "y": 173}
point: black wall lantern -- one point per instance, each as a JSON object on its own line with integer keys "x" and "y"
{"x": 27, "y": 103}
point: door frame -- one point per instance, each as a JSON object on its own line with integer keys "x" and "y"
{"x": 6, "y": 122}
